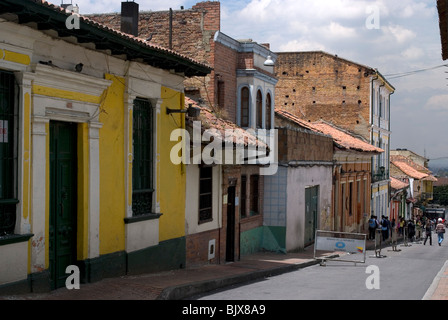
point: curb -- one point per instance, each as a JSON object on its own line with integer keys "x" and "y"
{"x": 188, "y": 290}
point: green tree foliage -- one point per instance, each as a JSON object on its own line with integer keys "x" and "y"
{"x": 441, "y": 195}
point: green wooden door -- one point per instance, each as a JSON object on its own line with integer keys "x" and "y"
{"x": 311, "y": 207}
{"x": 63, "y": 198}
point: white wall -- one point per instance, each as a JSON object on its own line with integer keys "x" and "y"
{"x": 192, "y": 201}
{"x": 298, "y": 180}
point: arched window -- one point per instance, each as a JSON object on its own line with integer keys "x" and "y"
{"x": 245, "y": 107}
{"x": 259, "y": 108}
{"x": 268, "y": 111}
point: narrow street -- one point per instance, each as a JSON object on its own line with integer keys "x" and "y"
{"x": 403, "y": 275}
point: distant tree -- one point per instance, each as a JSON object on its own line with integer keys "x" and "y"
{"x": 441, "y": 195}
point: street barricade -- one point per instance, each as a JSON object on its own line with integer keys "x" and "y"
{"x": 353, "y": 244}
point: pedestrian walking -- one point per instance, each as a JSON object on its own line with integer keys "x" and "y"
{"x": 385, "y": 228}
{"x": 440, "y": 230}
{"x": 418, "y": 229}
{"x": 373, "y": 224}
{"x": 428, "y": 232}
{"x": 411, "y": 230}
{"x": 401, "y": 227}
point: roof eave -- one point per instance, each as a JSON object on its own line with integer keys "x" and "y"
{"x": 53, "y": 17}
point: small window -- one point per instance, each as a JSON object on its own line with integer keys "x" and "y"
{"x": 259, "y": 109}
{"x": 221, "y": 91}
{"x": 268, "y": 111}
{"x": 254, "y": 196}
{"x": 245, "y": 107}
{"x": 243, "y": 205}
{"x": 205, "y": 194}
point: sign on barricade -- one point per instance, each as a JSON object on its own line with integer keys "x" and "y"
{"x": 353, "y": 244}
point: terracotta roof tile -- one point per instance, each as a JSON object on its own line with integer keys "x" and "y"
{"x": 218, "y": 126}
{"x": 341, "y": 138}
{"x": 126, "y": 36}
{"x": 397, "y": 184}
{"x": 408, "y": 170}
{"x": 345, "y": 140}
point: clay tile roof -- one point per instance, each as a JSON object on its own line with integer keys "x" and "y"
{"x": 218, "y": 126}
{"x": 289, "y": 116}
{"x": 397, "y": 184}
{"x": 408, "y": 170}
{"x": 411, "y": 168}
{"x": 341, "y": 138}
{"x": 345, "y": 140}
{"x": 192, "y": 66}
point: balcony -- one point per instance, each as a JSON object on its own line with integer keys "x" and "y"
{"x": 380, "y": 174}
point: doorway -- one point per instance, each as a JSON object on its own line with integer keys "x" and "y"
{"x": 63, "y": 200}
{"x": 311, "y": 209}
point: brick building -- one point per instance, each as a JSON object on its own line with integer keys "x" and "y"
{"x": 319, "y": 86}
{"x": 240, "y": 89}
{"x": 298, "y": 198}
{"x": 350, "y": 158}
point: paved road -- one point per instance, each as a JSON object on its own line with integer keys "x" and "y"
{"x": 403, "y": 275}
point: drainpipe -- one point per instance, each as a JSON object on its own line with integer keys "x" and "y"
{"x": 371, "y": 114}
{"x": 171, "y": 30}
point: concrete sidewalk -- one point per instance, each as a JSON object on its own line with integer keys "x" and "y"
{"x": 185, "y": 283}
{"x": 182, "y": 283}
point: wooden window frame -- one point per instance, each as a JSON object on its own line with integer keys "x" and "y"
{"x": 205, "y": 204}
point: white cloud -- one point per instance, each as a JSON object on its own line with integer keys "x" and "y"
{"x": 400, "y": 33}
{"x": 438, "y": 103}
{"x": 412, "y": 53}
{"x": 337, "y": 31}
{"x": 302, "y": 45}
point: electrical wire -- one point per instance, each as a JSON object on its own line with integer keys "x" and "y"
{"x": 410, "y": 73}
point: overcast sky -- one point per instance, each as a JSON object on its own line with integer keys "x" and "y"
{"x": 395, "y": 37}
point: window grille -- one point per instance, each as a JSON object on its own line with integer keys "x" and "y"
{"x": 142, "y": 166}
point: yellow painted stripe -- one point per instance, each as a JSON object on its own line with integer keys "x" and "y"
{"x": 65, "y": 94}
{"x": 16, "y": 57}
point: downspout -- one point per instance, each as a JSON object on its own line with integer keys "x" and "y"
{"x": 171, "y": 30}
{"x": 371, "y": 124}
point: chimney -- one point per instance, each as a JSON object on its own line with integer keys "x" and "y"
{"x": 129, "y": 18}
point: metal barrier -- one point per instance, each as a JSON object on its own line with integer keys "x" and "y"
{"x": 405, "y": 237}
{"x": 394, "y": 240}
{"x": 354, "y": 244}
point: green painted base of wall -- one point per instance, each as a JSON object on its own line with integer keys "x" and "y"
{"x": 105, "y": 266}
{"x": 264, "y": 238}
{"x": 167, "y": 255}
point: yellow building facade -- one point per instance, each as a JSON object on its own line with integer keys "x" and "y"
{"x": 86, "y": 176}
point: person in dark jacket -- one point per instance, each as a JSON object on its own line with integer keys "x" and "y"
{"x": 373, "y": 224}
{"x": 428, "y": 232}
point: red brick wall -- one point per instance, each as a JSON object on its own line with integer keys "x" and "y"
{"x": 225, "y": 70}
{"x": 300, "y": 145}
{"x": 316, "y": 85}
{"x": 197, "y": 247}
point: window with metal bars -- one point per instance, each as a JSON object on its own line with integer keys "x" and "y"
{"x": 8, "y": 154}
{"x": 254, "y": 196}
{"x": 245, "y": 107}
{"x": 205, "y": 194}
{"x": 143, "y": 162}
{"x": 259, "y": 105}
{"x": 243, "y": 202}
